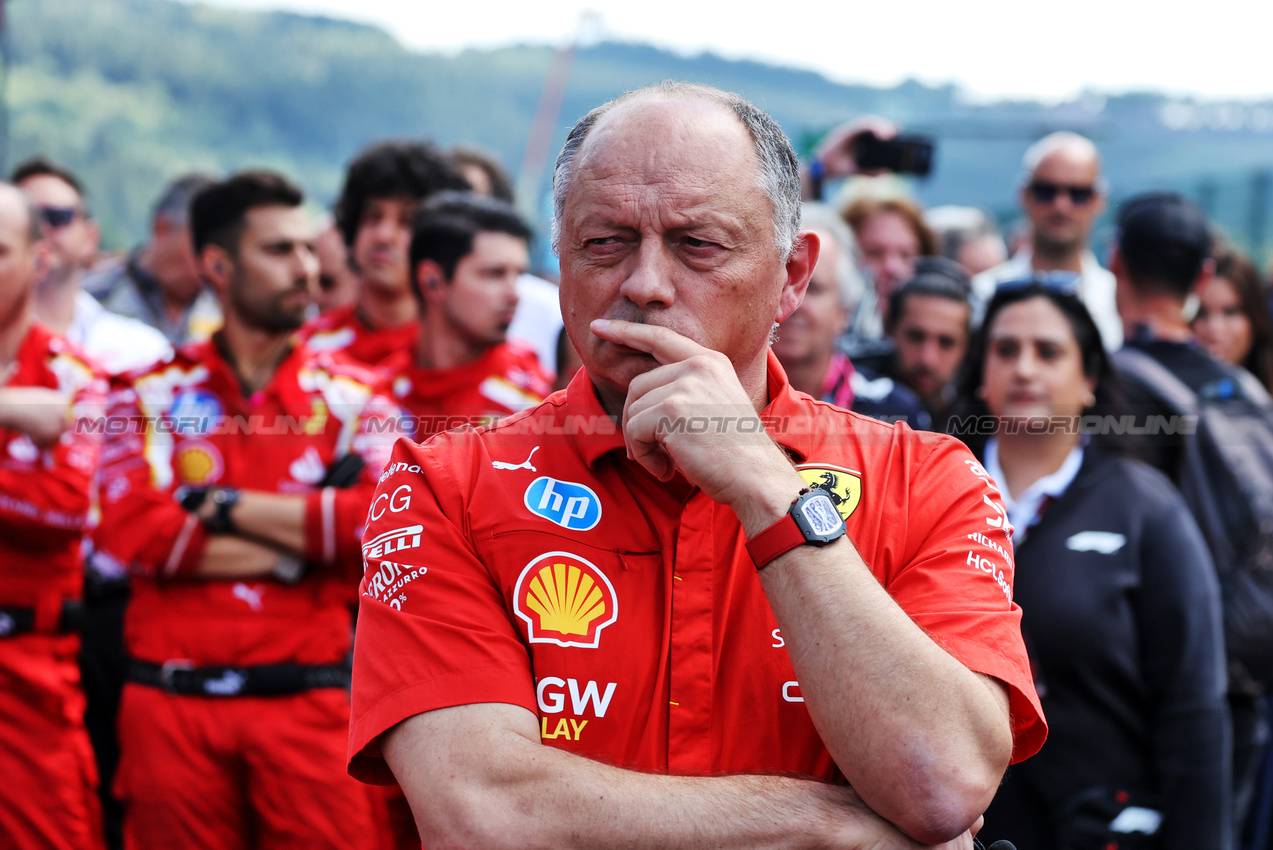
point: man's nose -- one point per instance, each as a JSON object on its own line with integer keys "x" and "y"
{"x": 649, "y": 280}
{"x": 307, "y": 266}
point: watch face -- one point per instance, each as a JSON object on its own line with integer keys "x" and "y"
{"x": 821, "y": 515}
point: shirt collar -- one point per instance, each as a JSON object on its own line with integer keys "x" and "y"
{"x": 1024, "y": 510}
{"x": 596, "y": 433}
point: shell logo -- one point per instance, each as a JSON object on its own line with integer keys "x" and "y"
{"x": 564, "y": 599}
{"x": 198, "y": 464}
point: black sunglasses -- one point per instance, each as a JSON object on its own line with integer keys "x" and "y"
{"x": 58, "y": 217}
{"x": 1046, "y": 193}
{"x": 1061, "y": 283}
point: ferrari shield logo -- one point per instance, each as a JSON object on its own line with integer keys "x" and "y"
{"x": 843, "y": 486}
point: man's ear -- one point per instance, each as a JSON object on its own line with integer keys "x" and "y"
{"x": 429, "y": 279}
{"x": 216, "y": 267}
{"x": 1205, "y": 276}
{"x": 1115, "y": 263}
{"x": 92, "y": 242}
{"x": 41, "y": 257}
{"x": 799, "y": 268}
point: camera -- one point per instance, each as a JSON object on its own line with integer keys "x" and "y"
{"x": 905, "y": 154}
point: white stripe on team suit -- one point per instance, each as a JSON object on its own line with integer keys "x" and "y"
{"x": 179, "y": 548}
{"x": 328, "y": 505}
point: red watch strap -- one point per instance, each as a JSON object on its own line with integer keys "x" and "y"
{"x": 779, "y": 538}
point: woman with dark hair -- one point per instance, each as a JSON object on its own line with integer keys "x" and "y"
{"x": 1233, "y": 316}
{"x": 1121, "y": 610}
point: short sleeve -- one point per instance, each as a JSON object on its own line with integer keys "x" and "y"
{"x": 956, "y": 583}
{"x": 434, "y": 629}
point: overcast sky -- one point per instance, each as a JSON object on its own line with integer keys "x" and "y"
{"x": 991, "y": 48}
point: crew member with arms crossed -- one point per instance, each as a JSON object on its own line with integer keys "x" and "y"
{"x": 48, "y": 463}
{"x": 597, "y": 622}
{"x": 467, "y": 253}
{"x": 244, "y": 548}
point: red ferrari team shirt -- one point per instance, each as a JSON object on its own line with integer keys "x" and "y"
{"x": 531, "y": 563}
{"x": 47, "y": 494}
{"x": 190, "y": 426}
{"x": 507, "y": 378}
{"x": 343, "y": 329}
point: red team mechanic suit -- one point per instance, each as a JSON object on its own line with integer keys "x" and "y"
{"x": 343, "y": 329}
{"x": 210, "y": 769}
{"x": 507, "y": 378}
{"x": 531, "y": 563}
{"x": 46, "y": 506}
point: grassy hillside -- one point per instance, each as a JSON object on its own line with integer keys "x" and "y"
{"x": 130, "y": 93}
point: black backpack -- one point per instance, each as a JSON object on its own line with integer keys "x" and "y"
{"x": 1226, "y": 478}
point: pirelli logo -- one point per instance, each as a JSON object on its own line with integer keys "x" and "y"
{"x": 392, "y": 541}
{"x": 564, "y": 599}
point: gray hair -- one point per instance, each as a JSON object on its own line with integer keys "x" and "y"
{"x": 779, "y": 172}
{"x": 848, "y": 279}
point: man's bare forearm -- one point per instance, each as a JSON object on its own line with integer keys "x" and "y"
{"x": 922, "y": 737}
{"x": 477, "y": 776}
{"x": 40, "y": 413}
{"x": 273, "y": 518}
{"x": 230, "y": 557}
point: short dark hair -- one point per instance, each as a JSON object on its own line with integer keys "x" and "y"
{"x": 447, "y": 225}
{"x": 39, "y": 166}
{"x": 1163, "y": 242}
{"x": 501, "y": 184}
{"x": 934, "y": 276}
{"x": 173, "y": 203}
{"x": 219, "y": 211}
{"x": 393, "y": 169}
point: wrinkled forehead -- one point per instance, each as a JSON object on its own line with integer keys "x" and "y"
{"x": 677, "y": 143}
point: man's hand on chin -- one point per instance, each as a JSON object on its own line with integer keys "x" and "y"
{"x": 691, "y": 413}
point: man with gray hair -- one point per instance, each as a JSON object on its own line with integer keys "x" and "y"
{"x": 1063, "y": 194}
{"x": 159, "y": 283}
{"x": 683, "y": 604}
{"x": 807, "y": 341}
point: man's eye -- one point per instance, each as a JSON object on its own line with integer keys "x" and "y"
{"x": 697, "y": 243}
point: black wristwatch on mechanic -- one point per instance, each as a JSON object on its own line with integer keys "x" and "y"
{"x": 224, "y": 499}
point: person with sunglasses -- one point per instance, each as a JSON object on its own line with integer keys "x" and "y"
{"x": 1062, "y": 194}
{"x": 117, "y": 343}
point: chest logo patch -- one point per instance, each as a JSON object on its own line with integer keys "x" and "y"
{"x": 1105, "y": 542}
{"x": 564, "y": 599}
{"x": 198, "y": 463}
{"x": 843, "y": 486}
{"x": 570, "y": 505}
{"x": 195, "y": 412}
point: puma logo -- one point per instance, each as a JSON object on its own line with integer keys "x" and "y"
{"x": 250, "y": 595}
{"x": 499, "y": 464}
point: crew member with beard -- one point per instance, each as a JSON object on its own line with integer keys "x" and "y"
{"x": 235, "y": 500}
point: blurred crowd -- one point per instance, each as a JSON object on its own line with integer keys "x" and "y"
{"x": 191, "y": 435}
